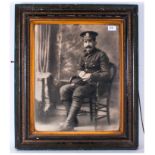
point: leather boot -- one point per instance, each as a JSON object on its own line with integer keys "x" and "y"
{"x": 67, "y": 105}
{"x": 76, "y": 122}
{"x": 70, "y": 121}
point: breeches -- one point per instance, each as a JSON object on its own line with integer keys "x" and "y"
{"x": 69, "y": 92}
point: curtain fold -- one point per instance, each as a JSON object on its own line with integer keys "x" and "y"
{"x": 42, "y": 47}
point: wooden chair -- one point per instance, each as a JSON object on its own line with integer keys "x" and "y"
{"x": 97, "y": 108}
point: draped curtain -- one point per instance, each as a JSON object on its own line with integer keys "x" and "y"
{"x": 46, "y": 64}
{"x": 42, "y": 43}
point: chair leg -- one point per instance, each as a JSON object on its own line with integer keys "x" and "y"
{"x": 108, "y": 113}
{"x": 95, "y": 117}
{"x": 91, "y": 112}
{"x": 94, "y": 112}
{"x": 108, "y": 118}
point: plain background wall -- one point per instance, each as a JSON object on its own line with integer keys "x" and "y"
{"x": 7, "y": 73}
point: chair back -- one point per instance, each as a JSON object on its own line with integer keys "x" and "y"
{"x": 104, "y": 87}
{"x": 112, "y": 71}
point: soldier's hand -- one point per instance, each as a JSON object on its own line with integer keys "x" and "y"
{"x": 86, "y": 76}
{"x": 82, "y": 73}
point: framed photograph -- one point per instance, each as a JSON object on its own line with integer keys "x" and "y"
{"x": 76, "y": 77}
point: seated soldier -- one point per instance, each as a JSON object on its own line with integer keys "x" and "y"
{"x": 93, "y": 67}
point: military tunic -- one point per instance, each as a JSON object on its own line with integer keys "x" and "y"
{"x": 96, "y": 63}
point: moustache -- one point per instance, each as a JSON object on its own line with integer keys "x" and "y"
{"x": 88, "y": 47}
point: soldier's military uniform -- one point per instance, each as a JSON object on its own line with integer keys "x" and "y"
{"x": 97, "y": 63}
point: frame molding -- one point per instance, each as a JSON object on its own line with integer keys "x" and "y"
{"x": 24, "y": 13}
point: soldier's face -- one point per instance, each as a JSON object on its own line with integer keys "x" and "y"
{"x": 89, "y": 44}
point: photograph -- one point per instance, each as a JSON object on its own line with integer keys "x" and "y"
{"x": 77, "y": 76}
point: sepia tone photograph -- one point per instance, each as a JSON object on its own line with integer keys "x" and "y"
{"x": 77, "y": 77}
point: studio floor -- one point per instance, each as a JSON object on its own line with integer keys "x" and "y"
{"x": 52, "y": 121}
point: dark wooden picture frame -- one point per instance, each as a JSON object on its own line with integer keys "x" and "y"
{"x": 26, "y": 16}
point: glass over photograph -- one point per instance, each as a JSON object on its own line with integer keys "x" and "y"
{"x": 77, "y": 77}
